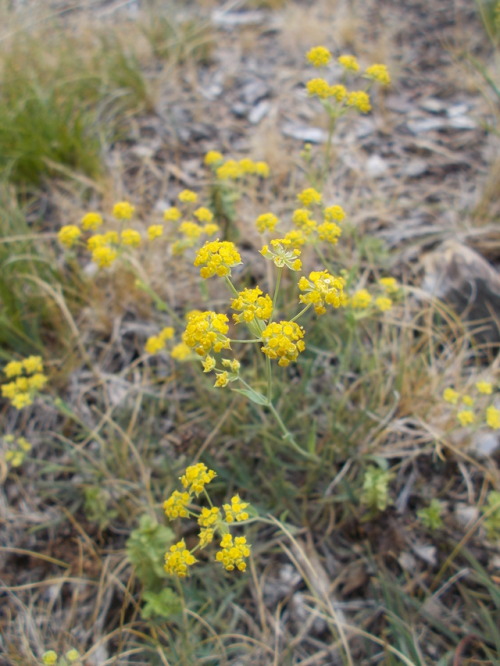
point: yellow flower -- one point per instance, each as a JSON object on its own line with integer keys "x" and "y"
{"x": 319, "y": 88}
{"x": 37, "y": 381}
{"x": 466, "y": 417}
{"x": 322, "y": 288}
{"x": 33, "y": 364}
{"x": 96, "y": 241}
{"x": 266, "y": 222}
{"x": 383, "y": 303}
{"x": 283, "y": 340}
{"x": 123, "y": 210}
{"x": 190, "y": 229}
{"x": 484, "y": 387}
{"x": 155, "y": 231}
{"x": 451, "y": 396}
{"x": 206, "y": 331}
{"x": 196, "y": 477}
{"x": 187, "y": 196}
{"x": 202, "y": 214}
{"x": 15, "y": 458}
{"x": 329, "y": 232}
{"x": 213, "y": 157}
{"x": 131, "y": 237}
{"x": 253, "y": 305}
{"x": 390, "y": 284}
{"x": 206, "y": 536}
{"x": 301, "y": 218}
{"x": 236, "y": 510}
{"x": 181, "y": 352}
{"x": 467, "y": 400}
{"x": 172, "y": 214}
{"x": 217, "y": 258}
{"x": 361, "y": 299}
{"x": 176, "y": 505}
{"x": 9, "y": 390}
{"x": 493, "y": 417}
{"x": 154, "y": 344}
{"x": 222, "y": 379}
{"x": 360, "y": 100}
{"x": 334, "y": 214}
{"x": 295, "y": 238}
{"x": 319, "y": 56}
{"x": 178, "y": 559}
{"x": 339, "y": 92}
{"x": 232, "y": 364}
{"x": 111, "y": 237}
{"x": 230, "y": 170}
{"x": 378, "y": 73}
{"x": 13, "y": 368}
{"x": 261, "y": 169}
{"x": 104, "y": 256}
{"x": 49, "y": 658}
{"x": 72, "y": 655}
{"x": 23, "y": 443}
{"x": 22, "y": 400}
{"x": 309, "y": 197}
{"x": 91, "y": 221}
{"x": 232, "y": 553}
{"x": 210, "y": 229}
{"x": 209, "y": 517}
{"x": 208, "y": 363}
{"x": 69, "y": 235}
{"x": 349, "y": 62}
{"x": 247, "y": 166}
{"x": 281, "y": 255}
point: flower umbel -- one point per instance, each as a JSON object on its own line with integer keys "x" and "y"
{"x": 196, "y": 478}
{"x": 322, "y": 289}
{"x": 178, "y": 559}
{"x": 283, "y": 341}
{"x": 206, "y": 331}
{"x": 217, "y": 258}
{"x": 232, "y": 553}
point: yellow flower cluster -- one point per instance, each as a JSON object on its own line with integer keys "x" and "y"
{"x": 378, "y": 73}
{"x": 18, "y": 448}
{"x": 281, "y": 255}
{"x": 29, "y": 380}
{"x": 360, "y": 100}
{"x": 363, "y": 299}
{"x": 234, "y": 170}
{"x": 309, "y": 197}
{"x": 206, "y": 332}
{"x": 123, "y": 210}
{"x": 156, "y": 343}
{"x": 254, "y": 305}
{"x": 467, "y": 416}
{"x": 266, "y": 222}
{"x": 217, "y": 258}
{"x": 187, "y": 196}
{"x": 322, "y": 289}
{"x": 349, "y": 62}
{"x": 50, "y": 657}
{"x": 210, "y": 521}
{"x": 319, "y": 56}
{"x": 91, "y": 221}
{"x": 69, "y": 235}
{"x": 283, "y": 341}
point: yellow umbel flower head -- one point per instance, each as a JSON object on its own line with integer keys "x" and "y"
{"x": 378, "y": 73}
{"x": 266, "y": 222}
{"x": 451, "y": 396}
{"x": 322, "y": 289}
{"x": 236, "y": 510}
{"x": 196, "y": 477}
{"x": 171, "y": 214}
{"x": 361, "y": 299}
{"x": 206, "y": 331}
{"x": 91, "y": 221}
{"x": 254, "y": 305}
{"x": 281, "y": 255}
{"x": 178, "y": 559}
{"x": 329, "y": 232}
{"x": 155, "y": 231}
{"x": 232, "y": 553}
{"x": 187, "y": 196}
{"x": 123, "y": 210}
{"x": 176, "y": 505}
{"x": 283, "y": 341}
{"x": 484, "y": 387}
{"x": 69, "y": 235}
{"x": 217, "y": 258}
{"x": 466, "y": 417}
{"x": 349, "y": 62}
{"x": 493, "y": 417}
{"x": 383, "y": 303}
{"x": 301, "y": 218}
{"x": 390, "y": 284}
{"x": 319, "y": 56}
{"x": 213, "y": 157}
{"x": 131, "y": 237}
{"x": 359, "y": 100}
{"x": 319, "y": 88}
{"x": 309, "y": 197}
{"x": 334, "y": 213}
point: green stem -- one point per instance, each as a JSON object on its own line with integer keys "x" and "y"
{"x": 276, "y": 291}
{"x": 269, "y": 375}
{"x": 231, "y": 286}
{"x": 287, "y": 435}
{"x": 162, "y": 305}
{"x": 303, "y": 311}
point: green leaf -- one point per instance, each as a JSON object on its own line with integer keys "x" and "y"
{"x": 254, "y": 396}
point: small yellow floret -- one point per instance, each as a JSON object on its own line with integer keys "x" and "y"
{"x": 361, "y": 299}
{"x": 319, "y": 88}
{"x": 359, "y": 100}
{"x": 13, "y": 368}
{"x": 91, "y": 221}
{"x": 266, "y": 222}
{"x": 334, "y": 213}
{"x": 181, "y": 352}
{"x": 236, "y": 510}
{"x": 172, "y": 214}
{"x": 390, "y": 284}
{"x": 104, "y": 256}
{"x": 230, "y": 170}
{"x": 176, "y": 505}
{"x": 349, "y": 62}
{"x": 203, "y": 214}
{"x": 451, "y": 396}
{"x": 196, "y": 477}
{"x": 178, "y": 559}
{"x": 49, "y": 658}
{"x": 383, "y": 303}
{"x": 187, "y": 196}
{"x": 213, "y": 157}
{"x": 468, "y": 400}
{"x": 72, "y": 655}
{"x": 217, "y": 258}
{"x": 465, "y": 417}
{"x": 232, "y": 553}
{"x": 378, "y": 73}
{"x": 123, "y": 210}
{"x": 69, "y": 235}
{"x": 484, "y": 387}
{"x": 131, "y": 237}
{"x": 33, "y": 364}
{"x": 319, "y": 56}
{"x": 493, "y": 417}
{"x": 309, "y": 197}
{"x": 283, "y": 341}
{"x": 222, "y": 379}
{"x": 155, "y": 231}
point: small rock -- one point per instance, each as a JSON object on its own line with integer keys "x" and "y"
{"x": 239, "y": 109}
{"x": 457, "y": 110}
{"x": 253, "y": 91}
{"x": 425, "y": 552}
{"x": 407, "y": 561}
{"x": 414, "y": 168}
{"x": 465, "y": 515}
{"x": 484, "y": 444}
{"x": 259, "y": 112}
{"x": 420, "y": 125}
{"x": 433, "y": 105}
{"x": 229, "y": 20}
{"x": 462, "y": 122}
{"x": 376, "y": 166}
{"x": 304, "y": 133}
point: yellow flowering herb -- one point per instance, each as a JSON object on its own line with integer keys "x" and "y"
{"x": 206, "y": 331}
{"x": 349, "y": 62}
{"x": 230, "y": 170}
{"x": 319, "y": 88}
{"x": 32, "y": 364}
{"x": 69, "y": 235}
{"x": 217, "y": 258}
{"x": 253, "y": 304}
{"x": 262, "y": 169}
{"x": 493, "y": 417}
{"x": 13, "y": 368}
{"x": 196, "y": 477}
{"x": 295, "y": 238}
{"x": 181, "y": 352}
{"x": 131, "y": 237}
{"x": 283, "y": 341}
{"x": 309, "y": 197}
{"x": 49, "y": 658}
{"x": 178, "y": 559}
{"x": 232, "y": 364}
{"x": 378, "y": 73}
{"x": 171, "y": 214}
{"x": 209, "y": 517}
{"x": 451, "y": 396}
{"x": 468, "y": 400}
{"x": 155, "y": 231}
{"x": 208, "y": 363}
{"x": 29, "y": 380}
{"x": 104, "y": 256}
{"x": 123, "y": 210}
{"x": 213, "y": 157}
{"x": 266, "y": 222}
{"x": 361, "y": 299}
{"x": 465, "y": 417}
{"x": 359, "y": 100}
{"x": 301, "y": 218}
{"x": 211, "y": 229}
{"x": 232, "y": 553}
{"x": 390, "y": 284}
{"x": 334, "y": 213}
{"x": 203, "y": 214}
{"x": 187, "y": 196}
{"x": 72, "y": 655}
{"x": 111, "y": 237}
{"x": 329, "y": 232}
{"x": 176, "y": 505}
{"x": 338, "y": 92}
{"x": 484, "y": 387}
{"x": 319, "y": 56}
{"x": 383, "y": 303}
{"x": 236, "y": 510}
{"x": 322, "y": 289}
{"x": 91, "y": 221}
{"x": 222, "y": 379}
{"x": 281, "y": 255}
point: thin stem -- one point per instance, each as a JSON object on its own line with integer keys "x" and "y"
{"x": 276, "y": 291}
{"x": 289, "y": 437}
{"x": 269, "y": 375}
{"x": 231, "y": 286}
{"x": 303, "y": 311}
